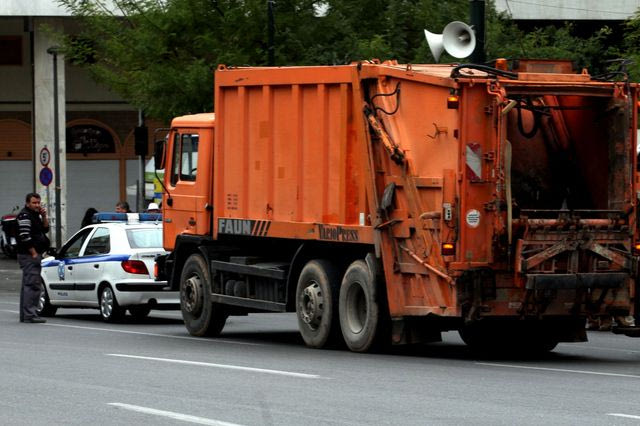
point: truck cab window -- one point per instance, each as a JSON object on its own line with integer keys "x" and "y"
{"x": 184, "y": 164}
{"x": 175, "y": 164}
{"x": 189, "y": 157}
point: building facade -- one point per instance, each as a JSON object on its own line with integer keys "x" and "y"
{"x": 95, "y": 138}
{"x": 568, "y": 10}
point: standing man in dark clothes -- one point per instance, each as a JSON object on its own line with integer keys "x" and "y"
{"x": 32, "y": 242}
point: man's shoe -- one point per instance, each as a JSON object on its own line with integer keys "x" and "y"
{"x": 35, "y": 320}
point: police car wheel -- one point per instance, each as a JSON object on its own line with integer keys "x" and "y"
{"x": 45, "y": 309}
{"x": 110, "y": 311}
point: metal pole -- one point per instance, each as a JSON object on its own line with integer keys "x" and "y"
{"x": 271, "y": 30}
{"x": 477, "y": 22}
{"x": 141, "y": 183}
{"x": 56, "y": 146}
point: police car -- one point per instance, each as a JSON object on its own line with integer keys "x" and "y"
{"x": 109, "y": 265}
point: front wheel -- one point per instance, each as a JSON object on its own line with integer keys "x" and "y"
{"x": 110, "y": 310}
{"x": 201, "y": 316}
{"x": 45, "y": 309}
{"x": 359, "y": 308}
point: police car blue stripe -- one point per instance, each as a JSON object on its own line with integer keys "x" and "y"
{"x": 88, "y": 259}
{"x": 98, "y": 258}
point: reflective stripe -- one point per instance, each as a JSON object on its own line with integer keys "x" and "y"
{"x": 474, "y": 163}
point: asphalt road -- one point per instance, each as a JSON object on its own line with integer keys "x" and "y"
{"x": 77, "y": 370}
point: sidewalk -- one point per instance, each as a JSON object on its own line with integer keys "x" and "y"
{"x": 10, "y": 275}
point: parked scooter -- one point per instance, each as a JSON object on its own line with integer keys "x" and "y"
{"x": 9, "y": 235}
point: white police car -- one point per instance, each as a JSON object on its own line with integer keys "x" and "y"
{"x": 109, "y": 266}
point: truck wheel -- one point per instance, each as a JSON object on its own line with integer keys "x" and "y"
{"x": 200, "y": 315}
{"x": 316, "y": 303}
{"x": 359, "y": 309}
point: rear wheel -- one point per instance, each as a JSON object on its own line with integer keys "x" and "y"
{"x": 359, "y": 308}
{"x": 45, "y": 309}
{"x": 140, "y": 311}
{"x": 201, "y": 316}
{"x": 316, "y": 304}
{"x": 110, "y": 310}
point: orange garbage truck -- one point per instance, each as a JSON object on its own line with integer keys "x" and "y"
{"x": 386, "y": 203}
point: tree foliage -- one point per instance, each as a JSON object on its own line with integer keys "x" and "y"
{"x": 160, "y": 54}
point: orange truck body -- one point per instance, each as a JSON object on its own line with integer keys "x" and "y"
{"x": 473, "y": 195}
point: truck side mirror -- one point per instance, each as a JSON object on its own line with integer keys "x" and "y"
{"x": 158, "y": 155}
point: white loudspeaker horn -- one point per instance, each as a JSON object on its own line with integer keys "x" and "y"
{"x": 457, "y": 38}
{"x": 435, "y": 44}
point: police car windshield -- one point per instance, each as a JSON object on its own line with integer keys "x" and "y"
{"x": 145, "y": 238}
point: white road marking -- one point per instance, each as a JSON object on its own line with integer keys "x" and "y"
{"x": 172, "y": 415}
{"x": 111, "y": 330}
{"x": 226, "y": 366}
{"x": 559, "y": 370}
{"x": 199, "y": 339}
{"x": 598, "y": 348}
{"x": 628, "y": 416}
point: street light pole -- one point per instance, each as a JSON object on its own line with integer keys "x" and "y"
{"x": 56, "y": 145}
{"x": 477, "y": 22}
{"x": 271, "y": 49}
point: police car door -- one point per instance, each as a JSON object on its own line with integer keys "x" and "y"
{"x": 89, "y": 266}
{"x": 59, "y": 273}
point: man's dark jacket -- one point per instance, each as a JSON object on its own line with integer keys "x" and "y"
{"x": 31, "y": 232}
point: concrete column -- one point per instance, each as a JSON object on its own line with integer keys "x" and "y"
{"x": 44, "y": 123}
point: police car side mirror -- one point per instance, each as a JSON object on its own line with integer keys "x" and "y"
{"x": 52, "y": 252}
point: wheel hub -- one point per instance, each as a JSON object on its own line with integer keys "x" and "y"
{"x": 106, "y": 305}
{"x": 41, "y": 301}
{"x": 192, "y": 295}
{"x": 312, "y": 305}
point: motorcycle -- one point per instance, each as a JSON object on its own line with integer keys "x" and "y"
{"x": 9, "y": 235}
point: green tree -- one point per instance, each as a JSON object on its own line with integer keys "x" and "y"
{"x": 160, "y": 55}
{"x": 630, "y": 48}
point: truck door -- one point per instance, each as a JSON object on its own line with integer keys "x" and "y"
{"x": 187, "y": 210}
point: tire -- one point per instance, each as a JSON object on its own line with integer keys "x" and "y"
{"x": 317, "y": 304}
{"x": 110, "y": 310}
{"x": 140, "y": 311}
{"x": 201, "y": 316}
{"x": 359, "y": 308}
{"x": 45, "y": 309}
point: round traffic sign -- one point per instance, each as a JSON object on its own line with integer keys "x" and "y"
{"x": 45, "y": 156}
{"x": 46, "y": 176}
